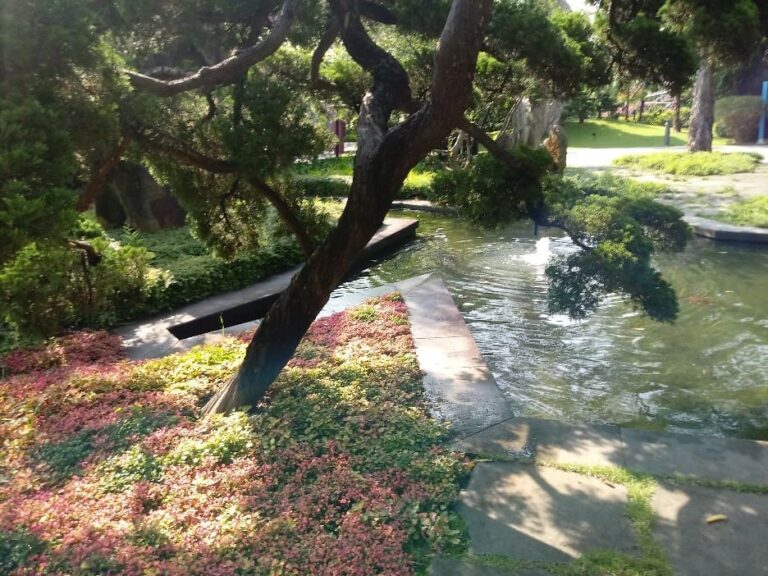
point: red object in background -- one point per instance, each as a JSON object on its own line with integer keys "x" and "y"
{"x": 339, "y": 128}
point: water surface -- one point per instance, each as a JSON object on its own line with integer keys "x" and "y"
{"x": 707, "y": 373}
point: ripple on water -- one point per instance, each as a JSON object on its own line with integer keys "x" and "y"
{"x": 706, "y": 373}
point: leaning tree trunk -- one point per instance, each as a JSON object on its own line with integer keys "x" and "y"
{"x": 383, "y": 160}
{"x": 703, "y": 111}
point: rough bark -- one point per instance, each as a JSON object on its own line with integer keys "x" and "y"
{"x": 383, "y": 160}
{"x": 136, "y": 191}
{"x": 530, "y": 123}
{"x": 703, "y": 111}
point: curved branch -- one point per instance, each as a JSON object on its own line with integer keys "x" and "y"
{"x": 391, "y": 84}
{"x": 186, "y": 155}
{"x": 375, "y": 12}
{"x": 287, "y": 213}
{"x": 102, "y": 174}
{"x": 228, "y": 70}
{"x": 329, "y": 36}
{"x": 490, "y": 144}
{"x": 217, "y": 166}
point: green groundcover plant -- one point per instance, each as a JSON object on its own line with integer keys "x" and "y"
{"x": 108, "y": 468}
{"x": 692, "y": 163}
{"x": 752, "y": 212}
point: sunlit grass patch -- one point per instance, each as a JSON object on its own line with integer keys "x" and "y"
{"x": 691, "y": 163}
{"x": 752, "y": 212}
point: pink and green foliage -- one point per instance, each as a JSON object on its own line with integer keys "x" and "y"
{"x": 107, "y": 467}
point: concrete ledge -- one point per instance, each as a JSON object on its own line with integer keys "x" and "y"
{"x": 703, "y": 227}
{"x": 457, "y": 381}
{"x": 423, "y": 206}
{"x": 163, "y": 335}
{"x": 721, "y": 231}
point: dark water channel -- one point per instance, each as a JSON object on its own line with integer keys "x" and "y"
{"x": 705, "y": 374}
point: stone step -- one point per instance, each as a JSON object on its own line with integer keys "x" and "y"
{"x": 657, "y": 453}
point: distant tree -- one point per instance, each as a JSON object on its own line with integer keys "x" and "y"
{"x": 665, "y": 41}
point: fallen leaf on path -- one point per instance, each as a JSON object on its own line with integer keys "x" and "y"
{"x": 717, "y": 518}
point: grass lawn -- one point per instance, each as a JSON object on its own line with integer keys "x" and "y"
{"x": 692, "y": 163}
{"x": 332, "y": 176}
{"x": 108, "y": 467}
{"x": 620, "y": 134}
{"x": 752, "y": 212}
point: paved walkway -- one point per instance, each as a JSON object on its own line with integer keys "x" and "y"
{"x": 545, "y": 496}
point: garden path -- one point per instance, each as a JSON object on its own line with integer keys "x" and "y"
{"x": 546, "y": 495}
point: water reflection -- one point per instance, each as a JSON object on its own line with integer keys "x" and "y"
{"x": 707, "y": 373}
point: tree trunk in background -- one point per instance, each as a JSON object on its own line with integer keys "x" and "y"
{"x": 134, "y": 198}
{"x": 677, "y": 122}
{"x": 642, "y": 109}
{"x": 703, "y": 111}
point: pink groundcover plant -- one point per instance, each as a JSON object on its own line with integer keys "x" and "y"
{"x": 108, "y": 468}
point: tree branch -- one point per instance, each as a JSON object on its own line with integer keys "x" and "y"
{"x": 217, "y": 166}
{"x": 186, "y": 155}
{"x": 490, "y": 144}
{"x": 101, "y": 175}
{"x": 329, "y": 36}
{"x": 287, "y": 213}
{"x": 228, "y": 70}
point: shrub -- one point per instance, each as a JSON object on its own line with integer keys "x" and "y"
{"x": 737, "y": 117}
{"x": 196, "y": 277}
{"x": 328, "y": 186}
{"x": 692, "y": 163}
{"x": 660, "y": 116}
{"x": 491, "y": 193}
{"x": 34, "y": 289}
{"x": 342, "y": 166}
{"x": 47, "y": 290}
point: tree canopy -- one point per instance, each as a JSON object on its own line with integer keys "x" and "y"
{"x": 220, "y": 99}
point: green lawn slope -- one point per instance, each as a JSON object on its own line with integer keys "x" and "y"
{"x": 620, "y": 134}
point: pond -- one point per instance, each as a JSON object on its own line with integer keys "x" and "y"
{"x": 707, "y": 373}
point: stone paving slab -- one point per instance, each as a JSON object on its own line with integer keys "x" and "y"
{"x": 700, "y": 456}
{"x": 737, "y": 547}
{"x": 457, "y": 381}
{"x": 438, "y": 316}
{"x": 451, "y": 567}
{"x": 449, "y": 352}
{"x": 532, "y": 513}
{"x": 468, "y": 398}
{"x": 548, "y": 441}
